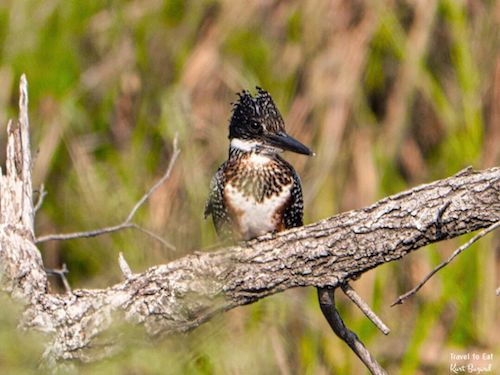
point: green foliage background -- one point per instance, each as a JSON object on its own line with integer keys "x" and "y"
{"x": 389, "y": 94}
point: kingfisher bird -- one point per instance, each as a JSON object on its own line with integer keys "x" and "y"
{"x": 255, "y": 191}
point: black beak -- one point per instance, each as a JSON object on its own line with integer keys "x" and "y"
{"x": 285, "y": 142}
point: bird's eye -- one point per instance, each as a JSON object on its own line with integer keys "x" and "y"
{"x": 255, "y": 125}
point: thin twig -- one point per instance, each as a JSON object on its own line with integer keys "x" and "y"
{"x": 327, "y": 303}
{"x": 481, "y": 234}
{"x": 85, "y": 234}
{"x": 62, "y": 274}
{"x": 164, "y": 178}
{"x": 363, "y": 306}
{"x": 127, "y": 272}
{"x": 41, "y": 196}
{"x": 153, "y": 235}
{"x": 127, "y": 223}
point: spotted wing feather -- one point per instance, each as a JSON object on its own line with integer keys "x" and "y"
{"x": 294, "y": 213}
{"x": 215, "y": 205}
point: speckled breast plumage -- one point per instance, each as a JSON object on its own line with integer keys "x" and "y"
{"x": 254, "y": 194}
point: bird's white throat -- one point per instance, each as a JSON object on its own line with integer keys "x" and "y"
{"x": 244, "y": 145}
{"x": 254, "y": 146}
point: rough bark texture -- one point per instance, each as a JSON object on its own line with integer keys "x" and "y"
{"x": 185, "y": 293}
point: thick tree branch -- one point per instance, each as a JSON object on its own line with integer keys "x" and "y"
{"x": 185, "y": 293}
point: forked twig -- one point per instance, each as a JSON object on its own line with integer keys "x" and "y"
{"x": 481, "y": 234}
{"x": 363, "y": 306}
{"x": 127, "y": 223}
{"x": 326, "y": 298}
{"x": 62, "y": 274}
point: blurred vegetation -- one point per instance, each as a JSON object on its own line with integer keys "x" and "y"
{"x": 389, "y": 94}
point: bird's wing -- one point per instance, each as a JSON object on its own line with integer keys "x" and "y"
{"x": 215, "y": 195}
{"x": 294, "y": 213}
{"x": 215, "y": 205}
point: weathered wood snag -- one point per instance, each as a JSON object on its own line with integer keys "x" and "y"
{"x": 183, "y": 294}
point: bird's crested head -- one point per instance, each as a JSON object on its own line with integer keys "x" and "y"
{"x": 256, "y": 124}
